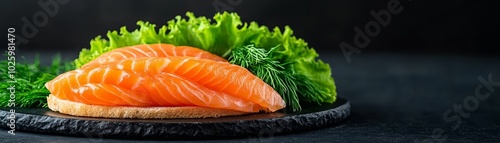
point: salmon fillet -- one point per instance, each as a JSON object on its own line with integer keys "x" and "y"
{"x": 153, "y": 79}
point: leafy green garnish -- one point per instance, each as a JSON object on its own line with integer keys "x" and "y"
{"x": 221, "y": 35}
{"x": 29, "y": 83}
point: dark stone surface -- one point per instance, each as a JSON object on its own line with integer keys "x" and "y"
{"x": 46, "y": 121}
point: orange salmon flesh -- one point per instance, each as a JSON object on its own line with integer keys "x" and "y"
{"x": 165, "y": 75}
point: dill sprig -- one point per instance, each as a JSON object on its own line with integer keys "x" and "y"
{"x": 284, "y": 80}
{"x": 260, "y": 63}
{"x": 30, "y": 82}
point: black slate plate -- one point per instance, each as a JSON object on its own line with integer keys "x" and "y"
{"x": 46, "y": 121}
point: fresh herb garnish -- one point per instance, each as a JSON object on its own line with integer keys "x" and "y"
{"x": 260, "y": 63}
{"x": 30, "y": 82}
{"x": 289, "y": 84}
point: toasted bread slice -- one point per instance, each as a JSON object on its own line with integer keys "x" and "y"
{"x": 81, "y": 109}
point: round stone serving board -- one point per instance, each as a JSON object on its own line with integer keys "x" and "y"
{"x": 43, "y": 120}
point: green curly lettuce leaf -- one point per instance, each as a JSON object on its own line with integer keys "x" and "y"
{"x": 220, "y": 36}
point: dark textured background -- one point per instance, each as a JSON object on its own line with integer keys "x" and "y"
{"x": 426, "y": 60}
{"x": 424, "y": 26}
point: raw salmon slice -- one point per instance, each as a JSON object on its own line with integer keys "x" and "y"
{"x": 220, "y": 76}
{"x": 153, "y": 50}
{"x": 167, "y": 81}
{"x": 113, "y": 87}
